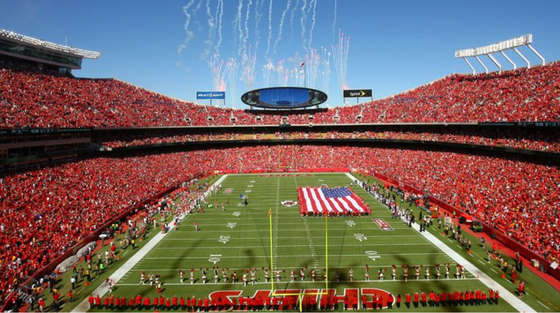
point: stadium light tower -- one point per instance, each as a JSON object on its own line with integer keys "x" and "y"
{"x": 500, "y": 47}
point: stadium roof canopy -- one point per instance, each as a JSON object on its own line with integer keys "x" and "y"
{"x": 25, "y": 47}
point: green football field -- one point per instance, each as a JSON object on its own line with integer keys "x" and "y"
{"x": 246, "y": 239}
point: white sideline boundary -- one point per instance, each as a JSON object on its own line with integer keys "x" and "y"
{"x": 128, "y": 265}
{"x": 505, "y": 294}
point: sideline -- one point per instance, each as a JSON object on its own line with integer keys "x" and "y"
{"x": 128, "y": 265}
{"x": 505, "y": 294}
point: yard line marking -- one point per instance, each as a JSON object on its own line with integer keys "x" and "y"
{"x": 301, "y": 246}
{"x": 284, "y": 229}
{"x": 481, "y": 262}
{"x": 130, "y": 263}
{"x": 289, "y": 237}
{"x": 243, "y": 269}
{"x": 505, "y": 294}
{"x": 493, "y": 270}
{"x": 280, "y": 256}
{"x": 543, "y": 305}
{"x": 296, "y": 282}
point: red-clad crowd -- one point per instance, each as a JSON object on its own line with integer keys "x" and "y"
{"x": 44, "y": 212}
{"x": 289, "y": 303}
{"x": 30, "y": 99}
{"x": 511, "y": 138}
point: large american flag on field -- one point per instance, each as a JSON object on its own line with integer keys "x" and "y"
{"x": 339, "y": 200}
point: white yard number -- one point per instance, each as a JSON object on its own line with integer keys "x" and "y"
{"x": 360, "y": 237}
{"x": 373, "y": 255}
{"x": 214, "y": 258}
{"x": 224, "y": 239}
{"x": 237, "y": 214}
{"x": 350, "y": 223}
{"x": 231, "y": 225}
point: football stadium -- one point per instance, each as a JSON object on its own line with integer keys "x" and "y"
{"x": 278, "y": 193}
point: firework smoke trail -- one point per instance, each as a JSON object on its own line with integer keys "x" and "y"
{"x": 258, "y": 16}
{"x": 269, "y": 28}
{"x": 281, "y": 26}
{"x": 303, "y": 22}
{"x": 210, "y": 39}
{"x": 190, "y": 33}
{"x": 248, "y": 67}
{"x": 267, "y": 73}
{"x": 312, "y": 22}
{"x": 292, "y": 18}
{"x": 220, "y": 9}
{"x": 218, "y": 73}
{"x": 246, "y": 26}
{"x": 231, "y": 80}
{"x": 325, "y": 72}
{"x": 237, "y": 26}
{"x": 340, "y": 58}
{"x": 282, "y": 74}
{"x": 312, "y": 63}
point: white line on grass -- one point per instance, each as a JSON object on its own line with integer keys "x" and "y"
{"x": 505, "y": 294}
{"x": 284, "y": 256}
{"x": 280, "y": 268}
{"x": 306, "y": 282}
{"x": 128, "y": 265}
{"x": 292, "y": 237}
{"x": 286, "y": 230}
{"x": 543, "y": 305}
{"x": 301, "y": 246}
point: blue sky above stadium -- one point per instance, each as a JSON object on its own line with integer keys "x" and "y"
{"x": 179, "y": 47}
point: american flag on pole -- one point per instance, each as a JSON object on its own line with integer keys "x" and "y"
{"x": 332, "y": 201}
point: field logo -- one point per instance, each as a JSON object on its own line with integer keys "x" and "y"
{"x": 224, "y": 240}
{"x": 351, "y": 223}
{"x": 237, "y": 214}
{"x": 373, "y": 255}
{"x": 228, "y": 190}
{"x": 382, "y": 224}
{"x": 214, "y": 258}
{"x": 360, "y": 237}
{"x": 231, "y": 225}
{"x": 289, "y": 203}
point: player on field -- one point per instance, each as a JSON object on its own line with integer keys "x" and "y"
{"x": 245, "y": 279}
{"x": 216, "y": 277}
{"x": 351, "y": 274}
{"x": 253, "y": 277}
{"x": 181, "y": 276}
{"x": 142, "y": 278}
{"x": 292, "y": 275}
{"x": 380, "y": 274}
{"x": 447, "y": 270}
{"x": 192, "y": 276}
{"x": 405, "y": 272}
{"x": 394, "y": 271}
{"x": 224, "y": 274}
{"x": 266, "y": 274}
{"x": 438, "y": 271}
{"x": 204, "y": 272}
{"x": 302, "y": 274}
{"x": 312, "y": 275}
{"x": 427, "y": 272}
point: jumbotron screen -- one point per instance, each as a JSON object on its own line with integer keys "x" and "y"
{"x": 284, "y": 97}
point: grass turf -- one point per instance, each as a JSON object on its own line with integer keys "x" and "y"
{"x": 239, "y": 239}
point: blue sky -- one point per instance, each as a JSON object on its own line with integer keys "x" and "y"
{"x": 393, "y": 45}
